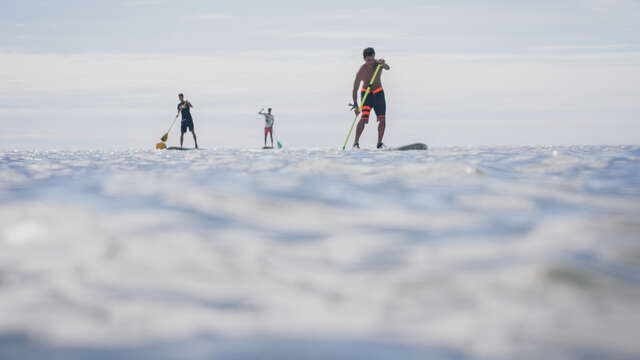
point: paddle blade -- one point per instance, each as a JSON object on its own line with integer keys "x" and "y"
{"x": 279, "y": 145}
{"x": 164, "y": 137}
{"x": 161, "y": 146}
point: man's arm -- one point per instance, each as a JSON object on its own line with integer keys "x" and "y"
{"x": 384, "y": 64}
{"x": 180, "y": 107}
{"x": 356, "y": 86}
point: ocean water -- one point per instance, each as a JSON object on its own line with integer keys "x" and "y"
{"x": 450, "y": 253}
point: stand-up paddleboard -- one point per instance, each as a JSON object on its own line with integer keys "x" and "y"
{"x": 267, "y": 147}
{"x": 181, "y": 148}
{"x": 414, "y": 146}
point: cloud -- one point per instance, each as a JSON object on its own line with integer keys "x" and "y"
{"x": 468, "y": 87}
{"x": 348, "y": 35}
{"x": 430, "y": 7}
{"x": 213, "y": 16}
{"x": 582, "y": 47}
{"x": 343, "y": 16}
{"x": 136, "y": 3}
{"x": 610, "y": 5}
{"x": 552, "y": 58}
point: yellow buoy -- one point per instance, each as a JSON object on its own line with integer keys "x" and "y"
{"x": 161, "y": 146}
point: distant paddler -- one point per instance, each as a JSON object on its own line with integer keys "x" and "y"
{"x": 374, "y": 94}
{"x": 268, "y": 125}
{"x": 187, "y": 121}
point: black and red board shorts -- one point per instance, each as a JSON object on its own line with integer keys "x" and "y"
{"x": 374, "y": 101}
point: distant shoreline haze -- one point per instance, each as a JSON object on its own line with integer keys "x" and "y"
{"x": 462, "y": 72}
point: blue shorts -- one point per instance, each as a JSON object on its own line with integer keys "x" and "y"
{"x": 186, "y": 124}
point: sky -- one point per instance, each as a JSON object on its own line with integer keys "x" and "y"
{"x": 105, "y": 75}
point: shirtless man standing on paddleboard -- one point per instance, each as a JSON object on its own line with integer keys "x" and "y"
{"x": 375, "y": 100}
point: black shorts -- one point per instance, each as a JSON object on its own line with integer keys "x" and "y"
{"x": 186, "y": 124}
{"x": 375, "y": 101}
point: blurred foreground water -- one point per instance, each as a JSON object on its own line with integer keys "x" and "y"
{"x": 450, "y": 253}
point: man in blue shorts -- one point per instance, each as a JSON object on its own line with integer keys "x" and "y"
{"x": 187, "y": 121}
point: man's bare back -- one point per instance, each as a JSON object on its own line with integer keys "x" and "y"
{"x": 365, "y": 74}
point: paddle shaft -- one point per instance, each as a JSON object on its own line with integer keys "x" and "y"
{"x": 186, "y": 102}
{"x": 364, "y": 98}
{"x": 174, "y": 121}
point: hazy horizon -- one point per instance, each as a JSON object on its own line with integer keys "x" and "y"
{"x": 80, "y": 75}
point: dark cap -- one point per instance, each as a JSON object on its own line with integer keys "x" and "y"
{"x": 181, "y": 94}
{"x": 368, "y": 52}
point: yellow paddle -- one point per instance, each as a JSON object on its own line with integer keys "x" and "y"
{"x": 166, "y": 135}
{"x": 162, "y": 145}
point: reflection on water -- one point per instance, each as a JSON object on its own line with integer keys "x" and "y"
{"x": 452, "y": 253}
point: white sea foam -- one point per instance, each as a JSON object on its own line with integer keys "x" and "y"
{"x": 450, "y": 253}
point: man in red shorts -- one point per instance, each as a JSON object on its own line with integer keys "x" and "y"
{"x": 375, "y": 100}
{"x": 268, "y": 125}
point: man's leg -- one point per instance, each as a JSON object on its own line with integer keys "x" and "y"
{"x": 194, "y": 138}
{"x": 381, "y": 126}
{"x": 190, "y": 128}
{"x": 265, "y": 137}
{"x": 271, "y": 135}
{"x": 364, "y": 119}
{"x": 359, "y": 129}
{"x": 380, "y": 107}
{"x": 183, "y": 129}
